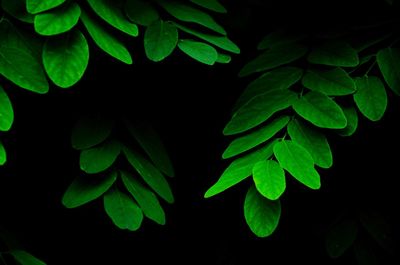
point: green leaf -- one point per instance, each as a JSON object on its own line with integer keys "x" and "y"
{"x": 352, "y": 122}
{"x": 17, "y": 9}
{"x": 298, "y": 162}
{"x": 333, "y": 82}
{"x": 212, "y": 5}
{"x": 107, "y": 42}
{"x": 85, "y": 189}
{"x": 220, "y": 41}
{"x": 334, "y": 53}
{"x": 146, "y": 199}
{"x": 141, "y": 12}
{"x": 151, "y": 143}
{"x": 269, "y": 179}
{"x": 371, "y": 98}
{"x": 3, "y": 154}
{"x": 223, "y": 58}
{"x": 313, "y": 140}
{"x": 262, "y": 215}
{"x": 273, "y": 58}
{"x": 389, "y": 63}
{"x": 320, "y": 110}
{"x": 240, "y": 169}
{"x": 280, "y": 37}
{"x": 258, "y": 110}
{"x": 340, "y": 237}
{"x": 36, "y": 6}
{"x": 188, "y": 13}
{"x": 122, "y": 210}
{"x": 160, "y": 40}
{"x": 24, "y": 258}
{"x": 57, "y": 21}
{"x": 66, "y": 58}
{"x": 199, "y": 51}
{"x": 247, "y": 142}
{"x": 111, "y": 12}
{"x": 6, "y": 111}
{"x": 99, "y": 158}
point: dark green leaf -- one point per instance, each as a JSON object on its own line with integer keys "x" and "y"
{"x": 35, "y": 6}
{"x": 320, "y": 110}
{"x": 6, "y": 111}
{"x": 371, "y": 98}
{"x": 199, "y": 51}
{"x": 24, "y": 258}
{"x": 17, "y": 9}
{"x": 146, "y": 199}
{"x": 122, "y": 210}
{"x": 340, "y": 237}
{"x": 141, "y": 12}
{"x": 352, "y": 122}
{"x": 247, "y": 142}
{"x": 280, "y": 37}
{"x": 212, "y": 5}
{"x": 269, "y": 179}
{"x": 3, "y": 154}
{"x": 57, "y": 21}
{"x": 111, "y": 11}
{"x": 160, "y": 40}
{"x": 99, "y": 158}
{"x": 273, "y": 58}
{"x": 85, "y": 189}
{"x": 298, "y": 162}
{"x": 223, "y": 58}
{"x": 389, "y": 63}
{"x": 240, "y": 169}
{"x": 333, "y": 82}
{"x": 262, "y": 215}
{"x": 65, "y": 58}
{"x": 366, "y": 253}
{"x": 313, "y": 140}
{"x": 334, "y": 53}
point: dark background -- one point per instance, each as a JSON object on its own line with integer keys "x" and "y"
{"x": 189, "y": 104}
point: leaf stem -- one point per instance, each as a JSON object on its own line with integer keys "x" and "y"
{"x": 370, "y": 68}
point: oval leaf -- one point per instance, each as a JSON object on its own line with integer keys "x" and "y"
{"x": 269, "y": 179}
{"x": 262, "y": 215}
{"x": 99, "y": 158}
{"x": 341, "y": 237}
{"x": 17, "y": 9}
{"x": 389, "y": 63}
{"x": 352, "y": 122}
{"x": 334, "y": 53}
{"x": 24, "y": 258}
{"x": 3, "y": 154}
{"x": 35, "y": 6}
{"x": 280, "y": 37}
{"x": 223, "y": 58}
{"x": 212, "y": 5}
{"x": 141, "y": 12}
{"x": 199, "y": 51}
{"x": 160, "y": 40}
{"x": 6, "y": 111}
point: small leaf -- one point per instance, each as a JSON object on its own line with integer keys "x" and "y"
{"x": 340, "y": 237}
{"x": 389, "y": 63}
{"x": 160, "y": 40}
{"x": 258, "y": 110}
{"x": 3, "y": 154}
{"x": 269, "y": 179}
{"x": 371, "y": 98}
{"x": 141, "y": 12}
{"x": 262, "y": 215}
{"x": 352, "y": 122}
{"x": 199, "y": 51}
{"x": 17, "y": 9}
{"x": 85, "y": 189}
{"x": 57, "y": 21}
{"x": 273, "y": 58}
{"x": 333, "y": 82}
{"x": 240, "y": 169}
{"x": 111, "y": 12}
{"x": 24, "y": 258}
{"x": 247, "y": 142}
{"x": 35, "y": 6}
{"x": 334, "y": 53}
{"x": 6, "y": 111}
{"x": 280, "y": 37}
{"x": 146, "y": 199}
{"x": 105, "y": 40}
{"x": 65, "y": 58}
{"x": 212, "y": 5}
{"x": 313, "y": 141}
{"x": 122, "y": 210}
{"x": 99, "y": 158}
{"x": 320, "y": 110}
{"x": 298, "y": 162}
{"x": 223, "y": 58}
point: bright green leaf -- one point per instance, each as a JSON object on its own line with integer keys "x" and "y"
{"x": 280, "y": 37}
{"x": 85, "y": 189}
{"x": 247, "y": 142}
{"x": 340, "y": 237}
{"x": 37, "y": 6}
{"x": 333, "y": 82}
{"x": 334, "y": 53}
{"x": 212, "y": 5}
{"x": 57, "y": 21}
{"x": 389, "y": 63}
{"x": 262, "y": 215}
{"x": 199, "y": 51}
{"x": 99, "y": 158}
{"x": 17, "y": 9}
{"x": 320, "y": 110}
{"x": 122, "y": 210}
{"x": 223, "y": 58}
{"x": 25, "y": 258}
{"x": 298, "y": 162}
{"x": 111, "y": 11}
{"x": 269, "y": 179}
{"x": 371, "y": 98}
{"x": 313, "y": 140}
{"x": 3, "y": 154}
{"x": 141, "y": 12}
{"x": 65, "y": 58}
{"x": 240, "y": 169}
{"x": 352, "y": 122}
{"x": 160, "y": 40}
{"x": 6, "y": 111}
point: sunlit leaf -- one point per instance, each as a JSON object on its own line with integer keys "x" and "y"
{"x": 100, "y": 157}
{"x": 212, "y": 5}
{"x": 3, "y": 154}
{"x": 269, "y": 179}
{"x": 122, "y": 210}
{"x": 160, "y": 40}
{"x": 340, "y": 237}
{"x": 352, "y": 122}
{"x": 25, "y": 258}
{"x": 389, "y": 63}
{"x": 17, "y": 9}
{"x": 298, "y": 162}
{"x": 320, "y": 110}
{"x": 199, "y": 51}
{"x": 146, "y": 199}
{"x": 141, "y": 12}
{"x": 85, "y": 189}
{"x": 6, "y": 111}
{"x": 280, "y": 37}
{"x": 240, "y": 169}
{"x": 65, "y": 58}
{"x": 334, "y": 53}
{"x": 371, "y": 98}
{"x": 262, "y": 215}
{"x": 223, "y": 58}
{"x": 57, "y": 21}
{"x": 36, "y": 6}
{"x": 255, "y": 138}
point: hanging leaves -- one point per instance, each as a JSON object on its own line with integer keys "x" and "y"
{"x": 269, "y": 178}
{"x": 3, "y": 154}
{"x": 25, "y": 258}
{"x": 160, "y": 39}
{"x": 199, "y": 51}
{"x": 352, "y": 122}
{"x": 34, "y": 6}
{"x": 334, "y": 53}
{"x": 141, "y": 12}
{"x": 212, "y": 5}
{"x": 389, "y": 63}
{"x": 6, "y": 111}
{"x": 99, "y": 158}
